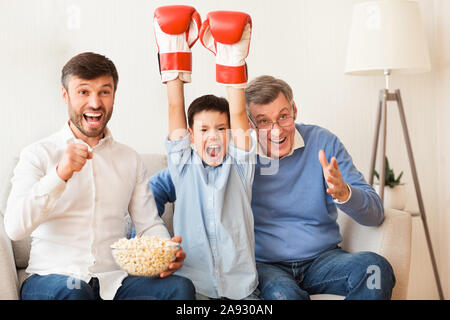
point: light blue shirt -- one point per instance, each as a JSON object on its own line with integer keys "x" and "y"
{"x": 214, "y": 218}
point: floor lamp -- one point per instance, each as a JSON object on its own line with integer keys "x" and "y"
{"x": 387, "y": 38}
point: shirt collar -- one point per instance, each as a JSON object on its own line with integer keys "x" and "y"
{"x": 69, "y": 137}
{"x": 298, "y": 143}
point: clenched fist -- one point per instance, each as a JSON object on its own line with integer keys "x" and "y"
{"x": 73, "y": 160}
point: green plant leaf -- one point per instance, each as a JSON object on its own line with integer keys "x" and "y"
{"x": 376, "y": 174}
{"x": 399, "y": 177}
{"x": 389, "y": 175}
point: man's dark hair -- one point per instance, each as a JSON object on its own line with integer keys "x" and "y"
{"x": 89, "y": 65}
{"x": 207, "y": 103}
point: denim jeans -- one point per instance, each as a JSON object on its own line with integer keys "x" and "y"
{"x": 357, "y": 276}
{"x": 54, "y": 287}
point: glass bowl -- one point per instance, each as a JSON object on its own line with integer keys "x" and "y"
{"x": 144, "y": 256}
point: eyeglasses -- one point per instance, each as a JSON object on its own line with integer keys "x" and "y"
{"x": 285, "y": 120}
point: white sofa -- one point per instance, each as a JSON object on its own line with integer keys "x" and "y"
{"x": 392, "y": 240}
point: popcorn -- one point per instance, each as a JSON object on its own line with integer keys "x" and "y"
{"x": 144, "y": 256}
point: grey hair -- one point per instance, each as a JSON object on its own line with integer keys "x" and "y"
{"x": 265, "y": 89}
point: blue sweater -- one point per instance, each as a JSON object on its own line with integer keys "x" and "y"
{"x": 294, "y": 217}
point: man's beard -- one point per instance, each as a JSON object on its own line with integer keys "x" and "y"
{"x": 77, "y": 120}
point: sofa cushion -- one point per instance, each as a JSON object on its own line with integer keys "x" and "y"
{"x": 168, "y": 217}
{"x": 154, "y": 162}
{"x": 21, "y": 249}
{"x": 5, "y": 186}
{"x": 21, "y": 276}
{"x": 8, "y": 273}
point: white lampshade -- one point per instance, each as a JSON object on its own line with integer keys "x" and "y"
{"x": 387, "y": 35}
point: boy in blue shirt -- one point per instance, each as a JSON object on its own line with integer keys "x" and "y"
{"x": 213, "y": 177}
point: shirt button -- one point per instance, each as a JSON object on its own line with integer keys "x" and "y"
{"x": 217, "y": 271}
{"x": 214, "y": 248}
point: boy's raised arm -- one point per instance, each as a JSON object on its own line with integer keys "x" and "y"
{"x": 240, "y": 127}
{"x": 176, "y": 31}
{"x": 177, "y": 115}
{"x": 227, "y": 34}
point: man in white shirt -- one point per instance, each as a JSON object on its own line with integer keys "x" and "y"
{"x": 72, "y": 191}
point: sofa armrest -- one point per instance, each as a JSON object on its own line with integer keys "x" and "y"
{"x": 395, "y": 246}
{"x": 392, "y": 240}
{"x": 9, "y": 288}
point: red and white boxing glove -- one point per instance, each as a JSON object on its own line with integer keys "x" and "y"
{"x": 176, "y": 31}
{"x": 227, "y": 34}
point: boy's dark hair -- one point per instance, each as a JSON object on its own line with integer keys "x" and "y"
{"x": 208, "y": 102}
{"x": 89, "y": 65}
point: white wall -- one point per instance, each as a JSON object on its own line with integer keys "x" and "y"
{"x": 302, "y": 41}
{"x": 442, "y": 25}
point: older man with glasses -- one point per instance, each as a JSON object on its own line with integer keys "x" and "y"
{"x": 303, "y": 175}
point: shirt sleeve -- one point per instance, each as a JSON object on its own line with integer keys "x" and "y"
{"x": 34, "y": 193}
{"x": 163, "y": 189}
{"x": 142, "y": 207}
{"x": 364, "y": 204}
{"x": 245, "y": 160}
{"x": 179, "y": 153}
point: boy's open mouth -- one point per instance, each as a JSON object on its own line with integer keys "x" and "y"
{"x": 213, "y": 151}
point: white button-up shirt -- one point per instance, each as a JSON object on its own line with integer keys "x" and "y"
{"x": 73, "y": 224}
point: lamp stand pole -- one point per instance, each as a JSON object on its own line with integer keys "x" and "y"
{"x": 384, "y": 97}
